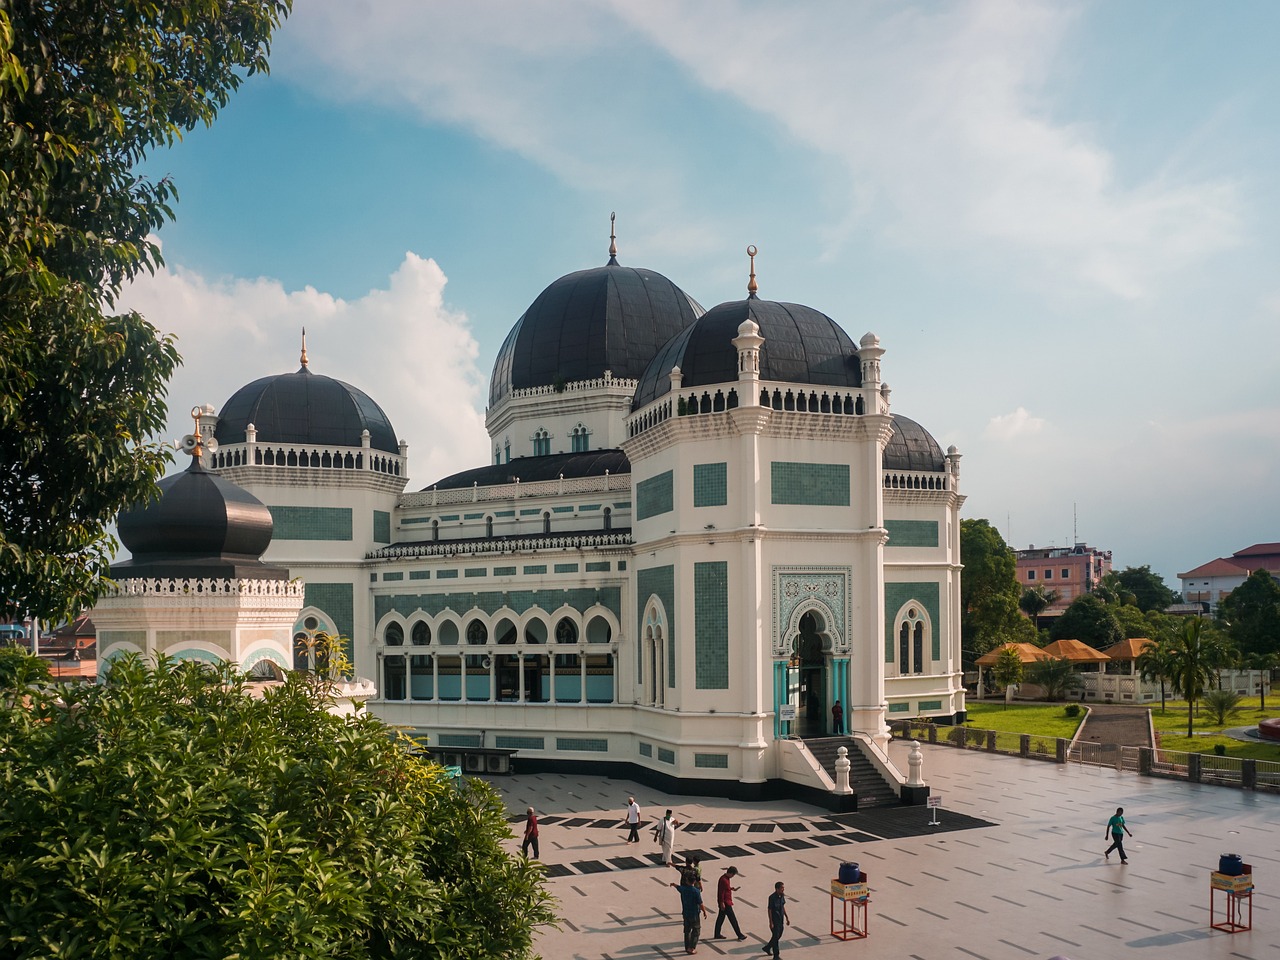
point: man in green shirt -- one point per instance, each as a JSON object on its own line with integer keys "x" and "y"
{"x": 1116, "y": 827}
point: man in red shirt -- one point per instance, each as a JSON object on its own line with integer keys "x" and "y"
{"x": 724, "y": 898}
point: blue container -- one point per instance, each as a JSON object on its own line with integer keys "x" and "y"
{"x": 849, "y": 873}
{"x": 1231, "y": 864}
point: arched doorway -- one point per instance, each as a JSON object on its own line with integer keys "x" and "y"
{"x": 808, "y": 680}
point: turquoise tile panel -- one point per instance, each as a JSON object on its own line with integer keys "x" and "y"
{"x": 662, "y": 582}
{"x": 928, "y": 705}
{"x": 446, "y": 574}
{"x": 392, "y": 577}
{"x": 898, "y": 594}
{"x": 713, "y": 761}
{"x": 601, "y": 567}
{"x": 899, "y": 708}
{"x": 666, "y": 756}
{"x": 471, "y": 572}
{"x": 504, "y": 571}
{"x": 519, "y": 743}
{"x": 535, "y": 569}
{"x": 505, "y": 513}
{"x": 562, "y": 509}
{"x": 419, "y": 574}
{"x": 710, "y": 484}
{"x": 381, "y": 526}
{"x": 809, "y": 484}
{"x": 646, "y": 749}
{"x": 337, "y": 602}
{"x": 711, "y": 625}
{"x": 312, "y": 523}
{"x": 912, "y": 533}
{"x": 591, "y": 745}
{"x": 655, "y": 496}
{"x": 566, "y": 568}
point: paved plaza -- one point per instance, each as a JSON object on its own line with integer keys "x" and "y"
{"x": 1015, "y": 870}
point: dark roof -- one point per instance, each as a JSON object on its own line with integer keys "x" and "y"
{"x": 201, "y": 526}
{"x": 801, "y": 345}
{"x": 305, "y": 408}
{"x": 606, "y": 318}
{"x": 529, "y": 469}
{"x": 469, "y": 545}
{"x": 911, "y": 447}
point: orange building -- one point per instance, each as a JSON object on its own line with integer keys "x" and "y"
{"x": 1069, "y": 571}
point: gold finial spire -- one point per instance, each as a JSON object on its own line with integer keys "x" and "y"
{"x": 198, "y": 452}
{"x": 613, "y": 242}
{"x": 304, "y": 347}
{"x": 751, "y": 284}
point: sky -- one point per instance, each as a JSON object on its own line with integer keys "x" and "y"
{"x": 1061, "y": 219}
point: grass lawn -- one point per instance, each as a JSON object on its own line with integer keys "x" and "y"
{"x": 1035, "y": 719}
{"x": 1171, "y": 728}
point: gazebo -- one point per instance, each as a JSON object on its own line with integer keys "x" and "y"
{"x": 1027, "y": 653}
{"x": 1078, "y": 652}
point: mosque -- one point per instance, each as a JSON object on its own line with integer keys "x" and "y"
{"x": 700, "y": 530}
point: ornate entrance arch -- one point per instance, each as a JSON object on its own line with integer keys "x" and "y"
{"x": 811, "y": 646}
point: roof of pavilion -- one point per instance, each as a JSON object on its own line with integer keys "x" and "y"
{"x": 1027, "y": 653}
{"x": 1128, "y": 649}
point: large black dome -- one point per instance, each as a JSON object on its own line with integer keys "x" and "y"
{"x": 305, "y": 408}
{"x": 911, "y": 447}
{"x": 801, "y": 345}
{"x": 606, "y": 318}
{"x": 201, "y": 526}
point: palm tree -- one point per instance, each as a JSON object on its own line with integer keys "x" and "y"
{"x": 1057, "y": 676}
{"x": 1195, "y": 656}
{"x": 1008, "y": 670}
{"x": 1035, "y": 599}
{"x": 1155, "y": 662}
{"x": 1264, "y": 662}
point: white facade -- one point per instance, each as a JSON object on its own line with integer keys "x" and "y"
{"x": 738, "y": 552}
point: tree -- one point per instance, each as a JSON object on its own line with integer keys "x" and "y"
{"x": 1057, "y": 676}
{"x": 1146, "y": 588}
{"x": 1194, "y": 658}
{"x": 1222, "y": 705}
{"x": 169, "y": 813}
{"x": 20, "y": 670}
{"x": 87, "y": 90}
{"x": 1264, "y": 663}
{"x": 1088, "y": 620}
{"x": 1252, "y": 611}
{"x": 1035, "y": 599}
{"x": 1007, "y": 670}
{"x": 989, "y": 591}
{"x": 1156, "y": 662}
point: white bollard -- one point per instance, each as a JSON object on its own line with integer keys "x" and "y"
{"x": 842, "y": 771}
{"x": 915, "y": 761}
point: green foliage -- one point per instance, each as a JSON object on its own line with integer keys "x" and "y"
{"x": 86, "y": 91}
{"x": 1253, "y": 612}
{"x": 1035, "y": 599}
{"x": 1058, "y": 677}
{"x": 1221, "y": 705}
{"x": 1090, "y": 621}
{"x": 1071, "y": 710}
{"x": 1156, "y": 662}
{"x": 169, "y": 814}
{"x": 1196, "y": 653}
{"x": 1143, "y": 588}
{"x": 20, "y": 669}
{"x": 1008, "y": 667}
{"x": 989, "y": 591}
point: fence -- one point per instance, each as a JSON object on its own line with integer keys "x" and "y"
{"x": 1170, "y": 764}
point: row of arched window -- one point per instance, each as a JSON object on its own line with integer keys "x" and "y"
{"x": 606, "y": 519}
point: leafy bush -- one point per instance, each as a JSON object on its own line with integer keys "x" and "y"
{"x": 1072, "y": 710}
{"x": 1221, "y": 705}
{"x": 168, "y": 813}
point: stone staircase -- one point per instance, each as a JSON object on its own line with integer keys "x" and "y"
{"x": 872, "y": 789}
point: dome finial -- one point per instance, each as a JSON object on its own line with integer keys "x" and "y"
{"x": 613, "y": 242}
{"x": 304, "y": 348}
{"x": 751, "y": 284}
{"x": 197, "y": 451}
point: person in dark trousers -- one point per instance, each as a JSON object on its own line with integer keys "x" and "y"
{"x": 724, "y": 900}
{"x": 530, "y": 834}
{"x": 777, "y": 918}
{"x": 837, "y": 719}
{"x": 693, "y": 910}
{"x": 633, "y": 820}
{"x": 1117, "y": 828}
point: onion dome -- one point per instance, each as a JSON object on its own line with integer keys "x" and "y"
{"x": 801, "y": 345}
{"x": 305, "y": 409}
{"x": 605, "y": 318}
{"x": 911, "y": 447}
{"x": 201, "y": 526}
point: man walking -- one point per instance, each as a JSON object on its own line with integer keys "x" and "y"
{"x": 777, "y": 908}
{"x": 724, "y": 900}
{"x": 633, "y": 820}
{"x": 530, "y": 834}
{"x": 1117, "y": 828}
{"x": 665, "y": 834}
{"x": 693, "y": 910}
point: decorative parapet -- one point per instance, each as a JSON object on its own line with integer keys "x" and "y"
{"x": 442, "y": 548}
{"x": 515, "y": 491}
{"x": 577, "y": 386}
{"x": 172, "y": 587}
{"x": 916, "y": 480}
{"x": 256, "y": 453}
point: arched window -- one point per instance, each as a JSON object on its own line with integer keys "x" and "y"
{"x": 497, "y": 455}
{"x": 393, "y": 635}
{"x": 506, "y": 449}
{"x": 421, "y": 634}
{"x": 608, "y": 518}
{"x": 566, "y": 631}
{"x": 541, "y": 443}
{"x": 435, "y": 530}
{"x": 546, "y": 524}
{"x": 477, "y": 633}
{"x": 488, "y": 528}
{"x": 580, "y": 439}
{"x": 913, "y": 629}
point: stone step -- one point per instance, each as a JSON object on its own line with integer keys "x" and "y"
{"x": 871, "y": 788}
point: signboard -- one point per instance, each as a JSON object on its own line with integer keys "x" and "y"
{"x": 1223, "y": 881}
{"x": 787, "y": 712}
{"x": 849, "y": 891}
{"x": 453, "y": 772}
{"x": 933, "y": 803}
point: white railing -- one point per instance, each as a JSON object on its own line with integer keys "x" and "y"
{"x": 170, "y": 586}
{"x": 307, "y": 456}
{"x": 438, "y": 548}
{"x": 577, "y": 386}
{"x": 915, "y": 480}
{"x": 1129, "y": 688}
{"x": 475, "y": 493}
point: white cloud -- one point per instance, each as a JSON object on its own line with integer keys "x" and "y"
{"x": 940, "y": 117}
{"x": 1013, "y": 426}
{"x": 399, "y": 345}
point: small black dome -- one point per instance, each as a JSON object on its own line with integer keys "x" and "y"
{"x": 201, "y": 526}
{"x": 801, "y": 345}
{"x": 305, "y": 408}
{"x": 606, "y": 318}
{"x": 911, "y": 447}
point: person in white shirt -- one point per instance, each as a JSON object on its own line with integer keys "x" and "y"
{"x": 633, "y": 820}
